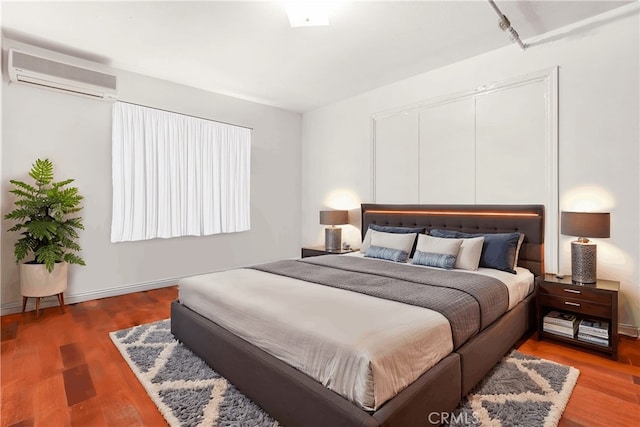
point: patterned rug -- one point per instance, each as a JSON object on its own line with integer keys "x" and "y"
{"x": 520, "y": 391}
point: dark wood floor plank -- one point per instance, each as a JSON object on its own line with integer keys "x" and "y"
{"x": 78, "y": 384}
{"x": 72, "y": 355}
{"x": 7, "y": 350}
{"x": 43, "y": 354}
{"x": 8, "y": 330}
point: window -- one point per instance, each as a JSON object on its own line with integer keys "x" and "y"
{"x": 176, "y": 175}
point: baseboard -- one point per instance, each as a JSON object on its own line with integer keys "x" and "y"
{"x": 52, "y": 301}
{"x": 629, "y": 330}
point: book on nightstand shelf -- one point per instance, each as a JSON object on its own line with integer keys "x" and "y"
{"x": 594, "y": 328}
{"x": 569, "y": 332}
{"x": 594, "y": 331}
{"x": 563, "y": 324}
{"x": 593, "y": 339}
{"x": 559, "y": 318}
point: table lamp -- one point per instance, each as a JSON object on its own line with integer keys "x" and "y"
{"x": 583, "y": 251}
{"x": 333, "y": 234}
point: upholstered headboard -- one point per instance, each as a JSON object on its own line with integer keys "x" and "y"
{"x": 526, "y": 219}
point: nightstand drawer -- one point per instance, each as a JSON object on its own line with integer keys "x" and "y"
{"x": 575, "y": 305}
{"x": 575, "y": 292}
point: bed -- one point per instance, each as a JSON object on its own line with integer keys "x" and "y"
{"x": 295, "y": 398}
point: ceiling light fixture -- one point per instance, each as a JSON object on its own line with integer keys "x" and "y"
{"x": 304, "y": 13}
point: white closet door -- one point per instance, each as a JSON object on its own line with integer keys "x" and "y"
{"x": 511, "y": 134}
{"x": 396, "y": 162}
{"x": 447, "y": 153}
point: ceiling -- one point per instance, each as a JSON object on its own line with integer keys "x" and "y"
{"x": 249, "y": 50}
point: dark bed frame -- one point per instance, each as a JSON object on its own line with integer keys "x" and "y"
{"x": 295, "y": 399}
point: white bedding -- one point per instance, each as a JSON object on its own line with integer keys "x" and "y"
{"x": 364, "y": 348}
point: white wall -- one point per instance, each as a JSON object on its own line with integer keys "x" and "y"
{"x": 598, "y": 137}
{"x": 75, "y": 133}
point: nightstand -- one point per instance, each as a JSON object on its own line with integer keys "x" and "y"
{"x": 597, "y": 301}
{"x": 320, "y": 250}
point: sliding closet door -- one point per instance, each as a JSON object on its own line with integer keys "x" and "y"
{"x": 511, "y": 134}
{"x": 447, "y": 151}
{"x": 396, "y": 162}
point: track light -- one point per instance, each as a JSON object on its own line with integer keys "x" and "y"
{"x": 505, "y": 25}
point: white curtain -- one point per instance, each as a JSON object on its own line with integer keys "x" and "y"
{"x": 176, "y": 175}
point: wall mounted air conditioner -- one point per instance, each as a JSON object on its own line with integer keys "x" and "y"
{"x": 46, "y": 69}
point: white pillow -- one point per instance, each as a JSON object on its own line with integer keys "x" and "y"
{"x": 366, "y": 242}
{"x": 469, "y": 253}
{"x": 438, "y": 245}
{"x": 515, "y": 259}
{"x": 403, "y": 242}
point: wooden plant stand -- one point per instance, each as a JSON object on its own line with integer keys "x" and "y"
{"x": 60, "y": 301}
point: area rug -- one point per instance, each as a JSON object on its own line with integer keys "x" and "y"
{"x": 520, "y": 391}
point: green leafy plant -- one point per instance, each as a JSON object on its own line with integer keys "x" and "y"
{"x": 44, "y": 212}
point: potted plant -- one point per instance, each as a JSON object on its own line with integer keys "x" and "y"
{"x": 48, "y": 229}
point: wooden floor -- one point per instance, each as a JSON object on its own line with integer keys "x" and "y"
{"x": 63, "y": 369}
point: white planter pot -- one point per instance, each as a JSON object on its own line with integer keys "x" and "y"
{"x": 36, "y": 281}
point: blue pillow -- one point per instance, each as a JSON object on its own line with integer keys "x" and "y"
{"x": 397, "y": 230}
{"x": 397, "y": 255}
{"x": 431, "y": 259}
{"x": 498, "y": 250}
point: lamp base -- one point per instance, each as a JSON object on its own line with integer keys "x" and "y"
{"x": 583, "y": 262}
{"x": 332, "y": 239}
